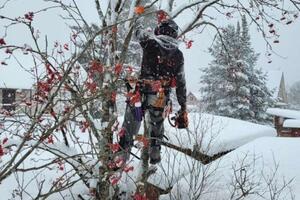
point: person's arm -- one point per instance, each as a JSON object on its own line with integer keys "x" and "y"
{"x": 181, "y": 85}
{"x": 182, "y": 115}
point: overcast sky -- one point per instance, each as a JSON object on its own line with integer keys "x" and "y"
{"x": 195, "y": 58}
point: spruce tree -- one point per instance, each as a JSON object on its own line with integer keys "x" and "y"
{"x": 224, "y": 80}
{"x": 260, "y": 97}
{"x": 232, "y": 86}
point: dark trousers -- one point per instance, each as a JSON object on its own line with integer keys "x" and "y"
{"x": 153, "y": 117}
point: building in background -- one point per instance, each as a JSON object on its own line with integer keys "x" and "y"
{"x": 193, "y": 101}
{"x": 276, "y": 83}
{"x": 15, "y": 99}
{"x": 16, "y": 90}
{"x": 286, "y": 122}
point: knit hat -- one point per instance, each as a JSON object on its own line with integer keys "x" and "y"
{"x": 167, "y": 27}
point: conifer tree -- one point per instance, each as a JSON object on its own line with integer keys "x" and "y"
{"x": 224, "y": 81}
{"x": 260, "y": 97}
{"x": 232, "y": 86}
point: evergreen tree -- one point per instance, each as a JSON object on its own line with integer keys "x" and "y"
{"x": 294, "y": 96}
{"x": 232, "y": 86}
{"x": 224, "y": 80}
{"x": 260, "y": 97}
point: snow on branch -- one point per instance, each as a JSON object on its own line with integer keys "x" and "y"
{"x": 113, "y": 5}
{"x": 100, "y": 13}
{"x": 182, "y": 8}
{"x": 198, "y": 16}
{"x": 170, "y": 6}
{"x": 131, "y": 13}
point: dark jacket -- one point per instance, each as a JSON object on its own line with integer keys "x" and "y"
{"x": 159, "y": 62}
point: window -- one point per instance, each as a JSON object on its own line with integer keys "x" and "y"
{"x": 8, "y": 99}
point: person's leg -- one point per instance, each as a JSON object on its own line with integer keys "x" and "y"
{"x": 131, "y": 127}
{"x": 156, "y": 130}
{"x": 155, "y": 125}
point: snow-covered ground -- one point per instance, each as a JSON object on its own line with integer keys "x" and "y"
{"x": 27, "y": 185}
{"x": 266, "y": 163}
{"x": 56, "y": 173}
{"x": 214, "y": 133}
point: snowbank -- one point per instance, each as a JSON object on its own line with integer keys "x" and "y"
{"x": 173, "y": 167}
{"x": 44, "y": 180}
{"x": 258, "y": 160}
{"x": 214, "y": 134}
{"x": 27, "y": 184}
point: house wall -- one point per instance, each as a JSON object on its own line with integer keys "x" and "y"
{"x": 192, "y": 99}
{"x": 22, "y": 95}
{"x": 25, "y": 96}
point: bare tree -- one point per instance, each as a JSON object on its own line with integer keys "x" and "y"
{"x": 70, "y": 91}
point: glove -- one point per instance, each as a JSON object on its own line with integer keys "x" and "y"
{"x": 182, "y": 119}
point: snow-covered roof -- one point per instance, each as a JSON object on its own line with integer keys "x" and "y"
{"x": 214, "y": 134}
{"x": 269, "y": 157}
{"x": 291, "y": 123}
{"x": 177, "y": 169}
{"x": 273, "y": 81}
{"x": 286, "y": 113}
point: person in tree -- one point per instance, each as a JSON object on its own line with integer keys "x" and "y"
{"x": 149, "y": 94}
